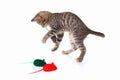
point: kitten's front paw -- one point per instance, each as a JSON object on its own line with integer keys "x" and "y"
{"x": 54, "y": 49}
{"x": 79, "y": 59}
{"x": 43, "y": 41}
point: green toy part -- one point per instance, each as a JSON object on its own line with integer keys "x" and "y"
{"x": 39, "y": 62}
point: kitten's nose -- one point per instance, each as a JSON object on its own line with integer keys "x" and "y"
{"x": 32, "y": 20}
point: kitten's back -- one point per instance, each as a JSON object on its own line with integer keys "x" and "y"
{"x": 76, "y": 23}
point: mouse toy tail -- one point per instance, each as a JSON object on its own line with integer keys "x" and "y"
{"x": 36, "y": 71}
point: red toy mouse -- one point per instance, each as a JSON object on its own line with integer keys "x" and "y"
{"x": 47, "y": 68}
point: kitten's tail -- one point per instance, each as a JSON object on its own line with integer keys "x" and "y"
{"x": 97, "y": 33}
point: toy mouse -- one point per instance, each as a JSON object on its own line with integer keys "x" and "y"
{"x": 53, "y": 39}
{"x": 47, "y": 68}
{"x": 39, "y": 62}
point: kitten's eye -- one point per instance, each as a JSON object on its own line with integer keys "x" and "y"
{"x": 40, "y": 17}
{"x": 43, "y": 20}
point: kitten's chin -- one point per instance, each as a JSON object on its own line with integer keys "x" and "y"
{"x": 45, "y": 25}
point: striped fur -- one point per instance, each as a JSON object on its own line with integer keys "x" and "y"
{"x": 61, "y": 22}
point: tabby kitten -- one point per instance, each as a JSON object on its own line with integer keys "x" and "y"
{"x": 61, "y": 22}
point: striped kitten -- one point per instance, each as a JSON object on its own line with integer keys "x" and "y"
{"x": 61, "y": 22}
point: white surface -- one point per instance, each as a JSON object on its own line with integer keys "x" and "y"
{"x": 20, "y": 41}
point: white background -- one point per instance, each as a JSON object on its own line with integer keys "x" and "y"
{"x": 20, "y": 41}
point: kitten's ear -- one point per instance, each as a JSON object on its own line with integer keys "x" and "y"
{"x": 44, "y": 60}
{"x": 52, "y": 63}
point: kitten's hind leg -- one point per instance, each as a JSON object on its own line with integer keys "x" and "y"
{"x": 83, "y": 51}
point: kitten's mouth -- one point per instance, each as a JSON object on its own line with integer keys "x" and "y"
{"x": 43, "y": 25}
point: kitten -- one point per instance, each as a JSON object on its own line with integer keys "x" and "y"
{"x": 65, "y": 21}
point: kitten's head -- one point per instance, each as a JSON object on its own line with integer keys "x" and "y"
{"x": 42, "y": 18}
